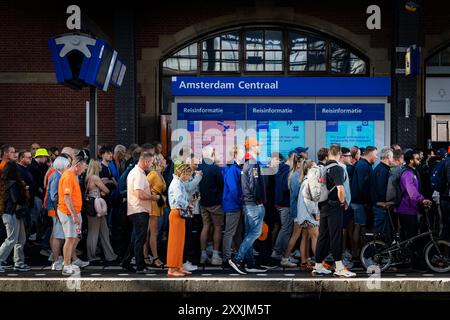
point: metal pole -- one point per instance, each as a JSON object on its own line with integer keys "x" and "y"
{"x": 93, "y": 122}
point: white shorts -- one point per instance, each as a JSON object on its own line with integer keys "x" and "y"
{"x": 57, "y": 231}
{"x": 70, "y": 229}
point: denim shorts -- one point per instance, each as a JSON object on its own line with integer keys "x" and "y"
{"x": 57, "y": 231}
{"x": 359, "y": 214}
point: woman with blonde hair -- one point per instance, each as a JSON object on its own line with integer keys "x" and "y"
{"x": 157, "y": 187}
{"x": 307, "y": 213}
{"x": 178, "y": 200}
{"x": 97, "y": 225}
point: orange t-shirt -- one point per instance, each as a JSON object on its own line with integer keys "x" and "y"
{"x": 69, "y": 185}
{"x": 2, "y": 165}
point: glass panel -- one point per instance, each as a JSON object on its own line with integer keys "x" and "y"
{"x": 297, "y": 61}
{"x": 273, "y": 40}
{"x": 211, "y": 55}
{"x": 254, "y": 40}
{"x": 230, "y": 56}
{"x": 184, "y": 60}
{"x": 210, "y": 66}
{"x": 254, "y": 61}
{"x": 230, "y": 41}
{"x": 227, "y": 66}
{"x": 212, "y": 43}
{"x": 316, "y": 61}
{"x": 315, "y": 43}
{"x": 343, "y": 61}
{"x": 440, "y": 59}
{"x": 297, "y": 41}
{"x": 274, "y": 60}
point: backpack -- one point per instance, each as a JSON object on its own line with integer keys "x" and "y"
{"x": 317, "y": 183}
{"x": 438, "y": 179}
{"x": 122, "y": 184}
{"x": 393, "y": 191}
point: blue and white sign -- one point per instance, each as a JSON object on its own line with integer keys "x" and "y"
{"x": 282, "y": 86}
{"x": 211, "y": 111}
{"x": 282, "y": 111}
{"x": 350, "y": 133}
{"x": 353, "y": 111}
{"x": 280, "y": 136}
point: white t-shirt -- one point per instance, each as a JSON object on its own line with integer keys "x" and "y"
{"x": 137, "y": 180}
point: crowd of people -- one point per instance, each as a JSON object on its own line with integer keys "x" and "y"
{"x": 134, "y": 207}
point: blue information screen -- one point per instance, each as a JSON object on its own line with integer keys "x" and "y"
{"x": 350, "y": 133}
{"x": 280, "y": 136}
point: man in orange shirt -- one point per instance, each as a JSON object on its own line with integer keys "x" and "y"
{"x": 8, "y": 154}
{"x": 69, "y": 213}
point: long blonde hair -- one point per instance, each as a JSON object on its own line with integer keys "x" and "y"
{"x": 93, "y": 168}
{"x": 306, "y": 165}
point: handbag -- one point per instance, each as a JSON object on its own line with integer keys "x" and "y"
{"x": 90, "y": 206}
{"x": 186, "y": 213}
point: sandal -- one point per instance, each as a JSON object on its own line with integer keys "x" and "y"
{"x": 175, "y": 273}
{"x": 159, "y": 265}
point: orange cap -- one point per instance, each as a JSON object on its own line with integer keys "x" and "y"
{"x": 251, "y": 142}
{"x": 264, "y": 233}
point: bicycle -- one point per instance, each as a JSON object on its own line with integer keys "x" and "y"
{"x": 376, "y": 253}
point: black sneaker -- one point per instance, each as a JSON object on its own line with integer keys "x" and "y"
{"x": 255, "y": 269}
{"x": 272, "y": 264}
{"x": 237, "y": 266}
{"x": 127, "y": 267}
{"x": 143, "y": 271}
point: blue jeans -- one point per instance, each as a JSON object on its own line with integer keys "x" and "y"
{"x": 285, "y": 232}
{"x": 253, "y": 219}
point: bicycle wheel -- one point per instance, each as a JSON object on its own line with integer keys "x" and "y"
{"x": 435, "y": 261}
{"x": 372, "y": 255}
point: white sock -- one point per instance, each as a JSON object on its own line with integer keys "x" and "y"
{"x": 339, "y": 265}
{"x": 318, "y": 266}
{"x": 216, "y": 253}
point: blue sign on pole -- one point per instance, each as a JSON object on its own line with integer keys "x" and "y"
{"x": 282, "y": 86}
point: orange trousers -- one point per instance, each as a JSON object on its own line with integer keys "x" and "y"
{"x": 175, "y": 245}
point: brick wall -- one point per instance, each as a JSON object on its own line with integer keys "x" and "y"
{"x": 52, "y": 115}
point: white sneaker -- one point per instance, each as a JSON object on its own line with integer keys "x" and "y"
{"x": 216, "y": 261}
{"x": 321, "y": 270}
{"x": 287, "y": 263}
{"x": 68, "y": 270}
{"x": 58, "y": 264}
{"x": 293, "y": 260}
{"x": 188, "y": 266}
{"x": 345, "y": 273}
{"x": 80, "y": 263}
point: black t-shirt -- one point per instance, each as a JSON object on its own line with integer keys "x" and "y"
{"x": 105, "y": 173}
{"x": 335, "y": 177}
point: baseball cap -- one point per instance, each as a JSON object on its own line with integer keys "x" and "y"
{"x": 42, "y": 152}
{"x": 300, "y": 149}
